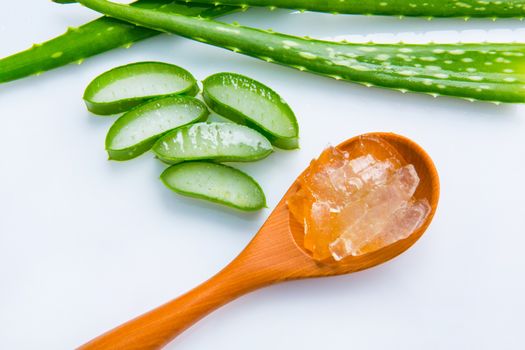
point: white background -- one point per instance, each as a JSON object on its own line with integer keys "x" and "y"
{"x": 86, "y": 244}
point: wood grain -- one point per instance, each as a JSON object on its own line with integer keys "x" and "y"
{"x": 274, "y": 255}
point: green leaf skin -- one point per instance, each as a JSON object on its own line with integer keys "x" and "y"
{"x": 483, "y": 71}
{"x": 136, "y": 131}
{"x": 427, "y": 8}
{"x": 122, "y": 88}
{"x": 246, "y": 101}
{"x": 215, "y": 183}
{"x": 93, "y": 38}
{"x": 220, "y": 142}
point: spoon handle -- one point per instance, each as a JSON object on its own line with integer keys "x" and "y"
{"x": 156, "y": 328}
{"x": 271, "y": 257}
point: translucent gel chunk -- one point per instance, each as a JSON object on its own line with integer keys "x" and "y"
{"x": 352, "y": 203}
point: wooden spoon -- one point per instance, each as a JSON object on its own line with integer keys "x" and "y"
{"x": 274, "y": 255}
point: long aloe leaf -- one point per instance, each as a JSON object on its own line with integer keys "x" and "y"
{"x": 493, "y": 72}
{"x": 430, "y": 8}
{"x": 95, "y": 37}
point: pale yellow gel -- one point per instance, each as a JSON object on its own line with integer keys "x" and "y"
{"x": 351, "y": 207}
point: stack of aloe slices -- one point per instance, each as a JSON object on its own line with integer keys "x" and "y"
{"x": 162, "y": 113}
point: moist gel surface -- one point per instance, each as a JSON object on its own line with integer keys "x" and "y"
{"x": 353, "y": 203}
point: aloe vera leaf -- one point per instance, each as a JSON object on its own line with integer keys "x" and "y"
{"x": 483, "y": 71}
{"x": 93, "y": 38}
{"x": 136, "y": 131}
{"x": 221, "y": 142}
{"x": 128, "y": 86}
{"x": 216, "y": 183}
{"x": 429, "y": 8}
{"x": 252, "y": 103}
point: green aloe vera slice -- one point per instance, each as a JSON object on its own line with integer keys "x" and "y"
{"x": 137, "y": 130}
{"x": 125, "y": 87}
{"x": 249, "y": 102}
{"x": 216, "y": 183}
{"x": 222, "y": 142}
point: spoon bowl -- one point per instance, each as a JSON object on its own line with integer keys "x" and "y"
{"x": 428, "y": 189}
{"x": 275, "y": 254}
